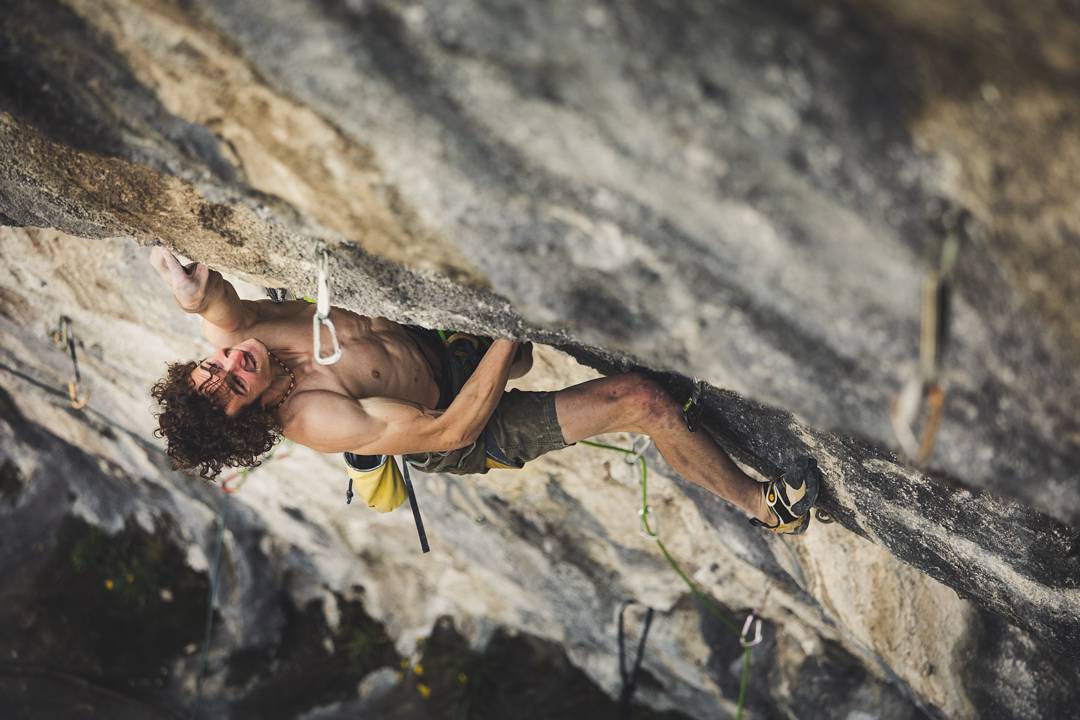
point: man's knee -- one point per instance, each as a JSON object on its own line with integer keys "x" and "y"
{"x": 643, "y": 398}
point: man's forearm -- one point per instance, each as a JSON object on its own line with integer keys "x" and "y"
{"x": 473, "y": 406}
{"x": 220, "y": 305}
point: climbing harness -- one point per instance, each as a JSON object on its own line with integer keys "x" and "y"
{"x": 630, "y": 676}
{"x": 923, "y": 390}
{"x": 64, "y": 338}
{"x": 645, "y": 513}
{"x": 277, "y": 295}
{"x": 322, "y": 309}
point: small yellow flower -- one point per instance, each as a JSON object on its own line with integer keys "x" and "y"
{"x": 400, "y": 675}
{"x": 462, "y": 678}
{"x": 130, "y": 578}
{"x": 418, "y": 669}
{"x": 404, "y": 663}
{"x": 424, "y": 690}
{"x": 108, "y": 584}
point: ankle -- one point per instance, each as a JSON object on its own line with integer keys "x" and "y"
{"x": 762, "y": 511}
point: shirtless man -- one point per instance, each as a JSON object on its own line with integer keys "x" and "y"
{"x": 392, "y": 393}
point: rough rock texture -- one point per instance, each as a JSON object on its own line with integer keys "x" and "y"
{"x": 734, "y": 192}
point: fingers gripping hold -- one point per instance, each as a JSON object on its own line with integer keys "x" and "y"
{"x": 188, "y": 283}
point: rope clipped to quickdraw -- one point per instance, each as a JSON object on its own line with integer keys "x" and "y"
{"x": 630, "y": 676}
{"x": 64, "y": 337}
{"x": 321, "y": 318}
{"x": 649, "y": 529}
{"x": 923, "y": 390}
{"x": 241, "y": 476}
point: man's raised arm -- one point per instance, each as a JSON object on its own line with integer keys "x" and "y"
{"x": 198, "y": 289}
{"x": 329, "y": 422}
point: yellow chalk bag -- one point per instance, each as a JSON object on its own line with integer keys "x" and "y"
{"x": 377, "y": 480}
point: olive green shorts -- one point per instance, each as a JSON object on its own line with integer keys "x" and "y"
{"x": 523, "y": 427}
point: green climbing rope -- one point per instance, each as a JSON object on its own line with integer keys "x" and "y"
{"x": 744, "y": 680}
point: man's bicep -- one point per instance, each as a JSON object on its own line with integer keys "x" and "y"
{"x": 373, "y": 426}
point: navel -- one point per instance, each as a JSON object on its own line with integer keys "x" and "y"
{"x": 375, "y": 374}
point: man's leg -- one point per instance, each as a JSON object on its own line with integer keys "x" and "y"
{"x": 634, "y": 403}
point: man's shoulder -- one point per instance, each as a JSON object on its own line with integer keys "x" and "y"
{"x": 309, "y": 412}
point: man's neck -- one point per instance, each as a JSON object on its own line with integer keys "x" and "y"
{"x": 282, "y": 386}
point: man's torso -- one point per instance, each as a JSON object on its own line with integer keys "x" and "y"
{"x": 379, "y": 358}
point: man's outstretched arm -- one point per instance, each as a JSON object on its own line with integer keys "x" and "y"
{"x": 329, "y": 422}
{"x": 198, "y": 289}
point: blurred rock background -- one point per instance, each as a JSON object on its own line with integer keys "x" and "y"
{"x": 743, "y": 193}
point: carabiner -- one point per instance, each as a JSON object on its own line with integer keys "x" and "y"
{"x": 64, "y": 337}
{"x": 905, "y": 411}
{"x": 647, "y": 521}
{"x": 322, "y": 310}
{"x": 744, "y": 636}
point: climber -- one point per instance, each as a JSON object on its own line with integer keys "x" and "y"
{"x": 403, "y": 390}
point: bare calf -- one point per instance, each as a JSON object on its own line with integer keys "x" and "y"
{"x": 634, "y": 403}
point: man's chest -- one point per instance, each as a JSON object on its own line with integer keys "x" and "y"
{"x": 375, "y": 353}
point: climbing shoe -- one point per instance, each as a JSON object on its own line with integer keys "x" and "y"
{"x": 791, "y": 496}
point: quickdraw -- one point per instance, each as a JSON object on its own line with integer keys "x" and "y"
{"x": 635, "y": 455}
{"x": 744, "y": 636}
{"x": 753, "y": 619}
{"x": 64, "y": 338}
{"x": 648, "y": 524}
{"x": 322, "y": 309}
{"x": 923, "y": 391}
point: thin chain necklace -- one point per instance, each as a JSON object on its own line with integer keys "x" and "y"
{"x": 292, "y": 380}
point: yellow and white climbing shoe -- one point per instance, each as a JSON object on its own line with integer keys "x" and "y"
{"x": 791, "y": 496}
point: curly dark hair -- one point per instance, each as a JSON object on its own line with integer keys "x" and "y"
{"x": 200, "y": 435}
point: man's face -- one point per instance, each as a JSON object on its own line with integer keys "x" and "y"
{"x": 235, "y": 376}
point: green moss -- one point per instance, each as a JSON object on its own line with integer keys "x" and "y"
{"x": 102, "y": 608}
{"x": 518, "y": 676}
{"x": 301, "y": 659}
{"x": 128, "y": 566}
